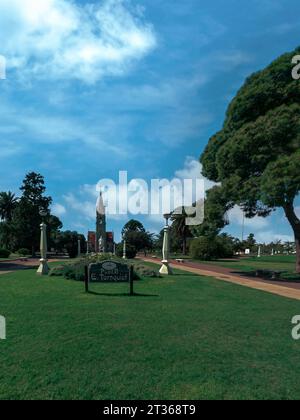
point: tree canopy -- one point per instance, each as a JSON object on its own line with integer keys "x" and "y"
{"x": 256, "y": 155}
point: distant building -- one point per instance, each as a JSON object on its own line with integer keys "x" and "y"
{"x": 101, "y": 240}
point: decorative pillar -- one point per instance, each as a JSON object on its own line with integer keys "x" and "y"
{"x": 165, "y": 268}
{"x": 79, "y": 248}
{"x": 43, "y": 269}
{"x": 124, "y": 249}
{"x": 259, "y": 252}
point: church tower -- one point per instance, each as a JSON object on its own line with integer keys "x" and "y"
{"x": 101, "y": 236}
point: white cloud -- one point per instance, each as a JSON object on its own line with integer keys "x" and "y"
{"x": 236, "y": 217}
{"x": 58, "y": 39}
{"x": 269, "y": 236}
{"x": 84, "y": 207}
{"x": 233, "y": 58}
{"x": 193, "y": 170}
{"x": 84, "y": 202}
{"x": 8, "y": 149}
{"x": 107, "y": 133}
{"x": 58, "y": 210}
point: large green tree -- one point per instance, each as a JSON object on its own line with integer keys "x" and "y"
{"x": 256, "y": 155}
{"x": 8, "y": 204}
{"x": 136, "y": 236}
{"x": 26, "y": 218}
{"x": 68, "y": 241}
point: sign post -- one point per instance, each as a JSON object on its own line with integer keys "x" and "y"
{"x": 109, "y": 272}
{"x": 86, "y": 278}
{"x": 131, "y": 281}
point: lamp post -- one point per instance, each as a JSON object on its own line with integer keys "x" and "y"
{"x": 43, "y": 269}
{"x": 165, "y": 268}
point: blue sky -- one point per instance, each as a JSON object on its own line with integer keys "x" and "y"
{"x": 97, "y": 87}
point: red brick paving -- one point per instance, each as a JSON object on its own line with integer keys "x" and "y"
{"x": 286, "y": 289}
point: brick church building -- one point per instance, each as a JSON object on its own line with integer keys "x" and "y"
{"x": 101, "y": 241}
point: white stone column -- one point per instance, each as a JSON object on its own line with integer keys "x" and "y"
{"x": 79, "y": 248}
{"x": 124, "y": 249}
{"x": 43, "y": 269}
{"x": 259, "y": 252}
{"x": 165, "y": 268}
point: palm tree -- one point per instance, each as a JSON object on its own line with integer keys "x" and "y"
{"x": 8, "y": 203}
{"x": 180, "y": 227}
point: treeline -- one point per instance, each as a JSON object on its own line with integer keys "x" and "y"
{"x": 21, "y": 219}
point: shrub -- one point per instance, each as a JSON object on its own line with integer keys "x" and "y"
{"x": 23, "y": 252}
{"x": 58, "y": 271}
{"x": 76, "y": 270}
{"x": 207, "y": 248}
{"x": 4, "y": 253}
{"x": 144, "y": 271}
{"x": 130, "y": 251}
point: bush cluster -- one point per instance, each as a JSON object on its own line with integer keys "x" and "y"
{"x": 130, "y": 251}
{"x": 207, "y": 248}
{"x": 24, "y": 252}
{"x": 4, "y": 253}
{"x": 76, "y": 270}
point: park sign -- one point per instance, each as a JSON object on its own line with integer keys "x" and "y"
{"x": 109, "y": 272}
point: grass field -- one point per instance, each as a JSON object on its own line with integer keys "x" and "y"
{"x": 184, "y": 337}
{"x": 285, "y": 263}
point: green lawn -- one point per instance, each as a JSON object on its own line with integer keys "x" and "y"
{"x": 284, "y": 263}
{"x": 187, "y": 337}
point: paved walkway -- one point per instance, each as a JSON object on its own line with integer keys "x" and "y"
{"x": 289, "y": 290}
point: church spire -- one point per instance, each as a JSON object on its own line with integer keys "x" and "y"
{"x": 100, "y": 205}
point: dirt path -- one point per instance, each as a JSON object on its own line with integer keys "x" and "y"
{"x": 289, "y": 290}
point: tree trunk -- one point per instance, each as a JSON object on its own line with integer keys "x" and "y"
{"x": 297, "y": 237}
{"x": 184, "y": 248}
{"x": 295, "y": 223}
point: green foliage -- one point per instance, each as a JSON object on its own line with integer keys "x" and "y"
{"x": 68, "y": 241}
{"x": 20, "y": 227}
{"x": 180, "y": 228}
{"x": 76, "y": 269}
{"x": 130, "y": 251}
{"x": 26, "y": 220}
{"x": 8, "y": 203}
{"x": 256, "y": 155}
{"x": 175, "y": 241}
{"x": 136, "y": 237}
{"x": 209, "y": 248}
{"x": 133, "y": 226}
{"x": 215, "y": 217}
{"x": 24, "y": 252}
{"x": 261, "y": 129}
{"x": 4, "y": 253}
{"x": 145, "y": 271}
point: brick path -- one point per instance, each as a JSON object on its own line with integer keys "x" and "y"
{"x": 286, "y": 289}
